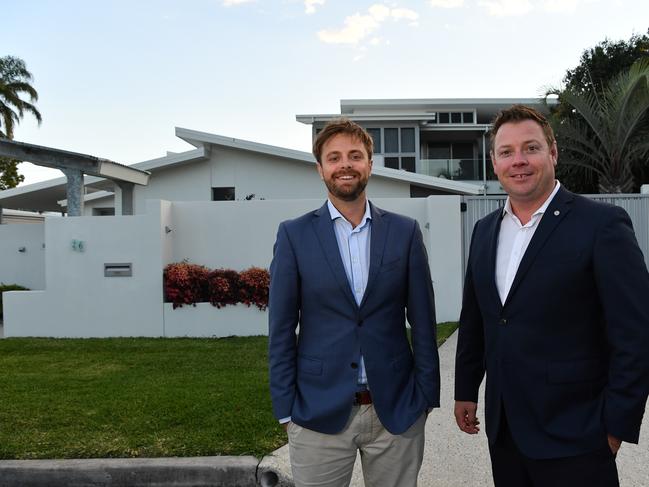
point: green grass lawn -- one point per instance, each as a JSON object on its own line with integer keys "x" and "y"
{"x": 137, "y": 397}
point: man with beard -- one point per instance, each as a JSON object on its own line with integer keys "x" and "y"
{"x": 349, "y": 381}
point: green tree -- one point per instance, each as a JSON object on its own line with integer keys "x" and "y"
{"x": 607, "y": 130}
{"x": 17, "y": 97}
{"x": 597, "y": 67}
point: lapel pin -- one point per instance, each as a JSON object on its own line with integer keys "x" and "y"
{"x": 557, "y": 212}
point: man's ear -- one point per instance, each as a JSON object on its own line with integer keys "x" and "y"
{"x": 554, "y": 152}
{"x": 319, "y": 168}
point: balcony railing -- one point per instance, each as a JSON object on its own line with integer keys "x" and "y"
{"x": 457, "y": 169}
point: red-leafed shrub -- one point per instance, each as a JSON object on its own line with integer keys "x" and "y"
{"x": 223, "y": 287}
{"x": 185, "y": 283}
{"x": 254, "y": 284}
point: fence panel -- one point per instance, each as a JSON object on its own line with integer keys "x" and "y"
{"x": 636, "y": 205}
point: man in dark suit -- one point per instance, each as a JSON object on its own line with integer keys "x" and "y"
{"x": 348, "y": 274}
{"x": 556, "y": 311}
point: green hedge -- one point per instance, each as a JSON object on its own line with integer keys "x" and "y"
{"x": 9, "y": 287}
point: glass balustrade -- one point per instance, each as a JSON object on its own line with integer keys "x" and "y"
{"x": 456, "y": 169}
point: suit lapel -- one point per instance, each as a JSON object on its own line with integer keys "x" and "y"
{"x": 493, "y": 252}
{"x": 324, "y": 229}
{"x": 378, "y": 238}
{"x": 555, "y": 212}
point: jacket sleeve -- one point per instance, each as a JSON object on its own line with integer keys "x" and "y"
{"x": 623, "y": 286}
{"x": 470, "y": 353}
{"x": 421, "y": 316}
{"x": 283, "y": 316}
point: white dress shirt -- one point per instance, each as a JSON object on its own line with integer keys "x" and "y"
{"x": 513, "y": 240}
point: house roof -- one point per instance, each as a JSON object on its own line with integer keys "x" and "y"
{"x": 46, "y": 195}
{"x": 418, "y": 109}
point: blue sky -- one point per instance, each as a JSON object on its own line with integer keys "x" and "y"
{"x": 116, "y": 77}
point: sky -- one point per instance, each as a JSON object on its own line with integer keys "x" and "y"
{"x": 116, "y": 77}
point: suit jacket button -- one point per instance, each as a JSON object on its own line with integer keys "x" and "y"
{"x": 503, "y": 321}
{"x": 354, "y": 365}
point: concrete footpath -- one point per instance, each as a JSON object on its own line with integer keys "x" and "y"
{"x": 451, "y": 459}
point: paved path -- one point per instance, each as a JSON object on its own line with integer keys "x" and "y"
{"x": 454, "y": 459}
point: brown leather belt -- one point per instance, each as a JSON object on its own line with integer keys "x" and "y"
{"x": 362, "y": 397}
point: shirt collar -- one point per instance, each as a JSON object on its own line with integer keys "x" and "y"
{"x": 542, "y": 208}
{"x": 335, "y": 214}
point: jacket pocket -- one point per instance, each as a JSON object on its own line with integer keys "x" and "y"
{"x": 309, "y": 365}
{"x": 571, "y": 371}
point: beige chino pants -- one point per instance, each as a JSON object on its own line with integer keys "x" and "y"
{"x": 388, "y": 460}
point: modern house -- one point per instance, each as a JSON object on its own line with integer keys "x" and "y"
{"x": 444, "y": 138}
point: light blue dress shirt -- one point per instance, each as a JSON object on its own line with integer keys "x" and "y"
{"x": 354, "y": 246}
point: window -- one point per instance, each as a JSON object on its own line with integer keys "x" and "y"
{"x": 391, "y": 140}
{"x": 400, "y": 148}
{"x": 376, "y": 138}
{"x": 407, "y": 140}
{"x": 456, "y": 117}
{"x": 223, "y": 194}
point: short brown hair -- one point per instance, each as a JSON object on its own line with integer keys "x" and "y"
{"x": 342, "y": 126}
{"x": 520, "y": 113}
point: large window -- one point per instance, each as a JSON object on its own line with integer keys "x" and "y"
{"x": 399, "y": 147}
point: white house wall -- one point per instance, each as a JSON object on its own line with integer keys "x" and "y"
{"x": 187, "y": 182}
{"x": 24, "y": 268}
{"x": 78, "y": 301}
{"x": 274, "y": 178}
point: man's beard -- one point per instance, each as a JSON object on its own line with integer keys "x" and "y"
{"x": 348, "y": 193}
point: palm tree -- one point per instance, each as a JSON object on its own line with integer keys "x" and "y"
{"x": 607, "y": 131}
{"x": 15, "y": 81}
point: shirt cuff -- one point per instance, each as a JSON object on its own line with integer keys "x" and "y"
{"x": 285, "y": 420}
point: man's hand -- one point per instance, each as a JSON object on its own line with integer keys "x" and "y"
{"x": 465, "y": 416}
{"x": 614, "y": 444}
{"x": 285, "y": 426}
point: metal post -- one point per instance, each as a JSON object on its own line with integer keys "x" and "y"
{"x": 484, "y": 162}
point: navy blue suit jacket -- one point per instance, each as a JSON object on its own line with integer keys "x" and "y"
{"x": 567, "y": 354}
{"x": 313, "y": 373}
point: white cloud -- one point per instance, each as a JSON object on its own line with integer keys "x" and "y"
{"x": 379, "y": 12}
{"x": 405, "y": 14}
{"x": 230, "y": 3}
{"x": 560, "y": 5}
{"x": 310, "y": 5}
{"x": 447, "y": 3}
{"x": 506, "y": 8}
{"x": 359, "y": 26}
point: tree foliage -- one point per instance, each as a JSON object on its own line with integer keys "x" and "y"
{"x": 17, "y": 97}
{"x": 607, "y": 132}
{"x": 597, "y": 67}
{"x": 9, "y": 177}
